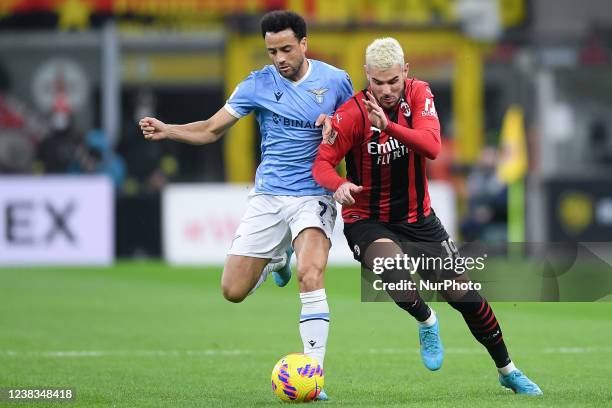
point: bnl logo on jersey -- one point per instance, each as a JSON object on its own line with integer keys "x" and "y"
{"x": 294, "y": 123}
{"x": 388, "y": 151}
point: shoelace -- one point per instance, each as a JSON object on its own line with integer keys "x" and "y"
{"x": 523, "y": 380}
{"x": 429, "y": 338}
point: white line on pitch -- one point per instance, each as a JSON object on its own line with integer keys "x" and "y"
{"x": 236, "y": 352}
{"x": 124, "y": 353}
{"x": 475, "y": 350}
{"x": 570, "y": 350}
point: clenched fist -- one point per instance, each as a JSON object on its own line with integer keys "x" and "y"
{"x": 153, "y": 129}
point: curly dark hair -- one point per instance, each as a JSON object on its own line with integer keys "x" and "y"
{"x": 280, "y": 20}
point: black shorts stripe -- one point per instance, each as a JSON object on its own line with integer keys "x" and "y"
{"x": 420, "y": 186}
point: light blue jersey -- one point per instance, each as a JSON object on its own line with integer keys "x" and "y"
{"x": 286, "y": 112}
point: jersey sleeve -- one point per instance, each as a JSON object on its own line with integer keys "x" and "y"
{"x": 424, "y": 137}
{"x": 345, "y": 89}
{"x": 241, "y": 102}
{"x": 345, "y": 133}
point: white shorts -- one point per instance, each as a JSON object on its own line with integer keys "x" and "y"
{"x": 272, "y": 222}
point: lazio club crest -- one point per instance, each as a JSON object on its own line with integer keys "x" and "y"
{"x": 318, "y": 93}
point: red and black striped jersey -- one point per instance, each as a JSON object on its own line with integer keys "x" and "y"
{"x": 389, "y": 164}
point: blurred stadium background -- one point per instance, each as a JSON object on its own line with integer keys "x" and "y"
{"x": 75, "y": 75}
{"x": 524, "y": 94}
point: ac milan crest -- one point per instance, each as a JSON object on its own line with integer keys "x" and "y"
{"x": 405, "y": 108}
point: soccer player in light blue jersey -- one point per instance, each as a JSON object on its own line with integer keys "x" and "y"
{"x": 291, "y": 99}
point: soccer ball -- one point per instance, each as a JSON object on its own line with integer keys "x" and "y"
{"x": 297, "y": 378}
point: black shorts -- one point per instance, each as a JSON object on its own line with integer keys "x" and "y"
{"x": 427, "y": 234}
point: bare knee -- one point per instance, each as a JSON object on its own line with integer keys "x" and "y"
{"x": 240, "y": 275}
{"x": 231, "y": 287}
{"x": 232, "y": 294}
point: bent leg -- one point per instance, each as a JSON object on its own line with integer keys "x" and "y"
{"x": 261, "y": 237}
{"x": 240, "y": 275}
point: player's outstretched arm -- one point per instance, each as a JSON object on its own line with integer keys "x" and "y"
{"x": 197, "y": 133}
{"x": 332, "y": 151}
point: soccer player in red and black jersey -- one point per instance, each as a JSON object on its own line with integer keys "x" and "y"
{"x": 386, "y": 133}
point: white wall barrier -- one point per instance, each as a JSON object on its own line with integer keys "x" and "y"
{"x": 56, "y": 220}
{"x": 199, "y": 221}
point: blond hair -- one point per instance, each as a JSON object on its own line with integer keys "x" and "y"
{"x": 383, "y": 53}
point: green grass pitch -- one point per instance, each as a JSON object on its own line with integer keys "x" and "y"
{"x": 146, "y": 335}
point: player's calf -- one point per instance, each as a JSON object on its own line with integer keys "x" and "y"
{"x": 310, "y": 274}
{"x": 311, "y": 248}
{"x": 483, "y": 325}
{"x": 310, "y": 277}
